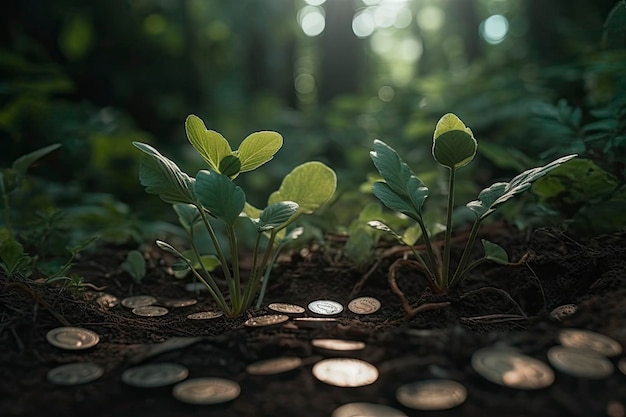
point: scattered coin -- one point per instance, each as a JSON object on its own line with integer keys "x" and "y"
{"x": 622, "y": 365}
{"x": 150, "y": 311}
{"x": 582, "y": 363}
{"x": 512, "y": 369}
{"x": 138, "y": 301}
{"x": 267, "y": 320}
{"x": 431, "y": 394}
{"x": 586, "y": 339}
{"x": 337, "y": 344}
{"x": 155, "y": 375}
{"x": 366, "y": 410}
{"x": 75, "y": 373}
{"x": 345, "y": 372}
{"x": 72, "y": 338}
{"x": 314, "y": 322}
{"x": 364, "y": 305}
{"x": 206, "y": 391}
{"x": 180, "y": 303}
{"x": 325, "y": 307}
{"x": 560, "y": 313}
{"x": 205, "y": 315}
{"x": 274, "y": 366}
{"x": 284, "y": 308}
{"x": 107, "y": 300}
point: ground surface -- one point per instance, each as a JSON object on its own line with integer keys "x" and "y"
{"x": 559, "y": 270}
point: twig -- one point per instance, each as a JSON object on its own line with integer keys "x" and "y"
{"x": 39, "y": 301}
{"x": 495, "y": 318}
{"x": 359, "y": 285}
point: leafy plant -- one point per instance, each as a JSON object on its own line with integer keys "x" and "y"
{"x": 454, "y": 146}
{"x": 212, "y": 196}
{"x": 135, "y": 265}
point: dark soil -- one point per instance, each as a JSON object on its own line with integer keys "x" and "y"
{"x": 558, "y": 270}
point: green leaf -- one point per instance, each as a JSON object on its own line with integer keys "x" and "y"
{"x": 251, "y": 211}
{"x": 210, "y": 262}
{"x": 450, "y": 122}
{"x": 258, "y": 148}
{"x": 230, "y": 166}
{"x": 219, "y": 195}
{"x": 180, "y": 266}
{"x": 276, "y": 214}
{"x": 378, "y": 225}
{"x": 310, "y": 185}
{"x": 212, "y": 146}
{"x": 495, "y": 253}
{"x": 135, "y": 265}
{"x": 188, "y": 215}
{"x": 170, "y": 249}
{"x": 22, "y": 163}
{"x": 395, "y": 201}
{"x": 454, "y": 149}
{"x": 162, "y": 177}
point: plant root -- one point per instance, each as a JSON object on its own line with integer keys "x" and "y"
{"x": 39, "y": 301}
{"x": 359, "y": 285}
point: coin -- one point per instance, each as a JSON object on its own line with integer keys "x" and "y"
{"x": 560, "y": 313}
{"x": 205, "y": 315}
{"x": 509, "y": 368}
{"x": 590, "y": 340}
{"x": 72, "y": 338}
{"x": 431, "y": 394}
{"x": 138, "y": 301}
{"x": 314, "y": 322}
{"x": 325, "y": 307}
{"x": 75, "y": 373}
{"x": 274, "y": 366}
{"x": 180, "y": 303}
{"x": 582, "y": 363}
{"x": 107, "y": 301}
{"x": 267, "y": 320}
{"x": 366, "y": 410}
{"x": 622, "y": 365}
{"x": 284, "y": 308}
{"x": 345, "y": 372}
{"x": 364, "y": 305}
{"x": 155, "y": 375}
{"x": 206, "y": 390}
{"x": 150, "y": 311}
{"x": 338, "y": 344}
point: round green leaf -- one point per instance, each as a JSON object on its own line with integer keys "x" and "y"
{"x": 219, "y": 195}
{"x": 309, "y": 185}
{"x": 276, "y": 214}
{"x": 230, "y": 166}
{"x": 258, "y": 148}
{"x": 495, "y": 253}
{"x": 454, "y": 148}
{"x": 449, "y": 122}
{"x": 212, "y": 146}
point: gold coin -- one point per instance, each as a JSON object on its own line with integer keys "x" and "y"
{"x": 284, "y": 308}
{"x": 582, "y": 363}
{"x": 337, "y": 344}
{"x": 364, "y": 305}
{"x": 204, "y": 391}
{"x": 512, "y": 369}
{"x": 366, "y": 410}
{"x": 72, "y": 338}
{"x": 314, "y": 322}
{"x": 432, "y": 394}
{"x": 267, "y": 320}
{"x": 274, "y": 366}
{"x": 344, "y": 372}
{"x": 205, "y": 315}
{"x": 150, "y": 311}
{"x": 138, "y": 301}
{"x": 586, "y": 339}
{"x": 75, "y": 373}
{"x": 180, "y": 303}
{"x": 155, "y": 375}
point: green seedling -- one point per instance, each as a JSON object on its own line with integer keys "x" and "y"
{"x": 13, "y": 260}
{"x": 453, "y": 147}
{"x": 135, "y": 266}
{"x": 74, "y": 283}
{"x": 212, "y": 196}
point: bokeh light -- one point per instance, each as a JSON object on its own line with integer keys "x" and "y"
{"x": 312, "y": 20}
{"x": 494, "y": 29}
{"x": 430, "y": 18}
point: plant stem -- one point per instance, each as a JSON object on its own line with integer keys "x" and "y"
{"x": 266, "y": 277}
{"x": 432, "y": 259}
{"x": 235, "y": 295}
{"x": 448, "y": 235}
{"x": 460, "y": 270}
{"x": 216, "y": 243}
{"x": 216, "y": 293}
{"x": 219, "y": 299}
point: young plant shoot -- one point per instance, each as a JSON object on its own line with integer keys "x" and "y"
{"x": 212, "y": 196}
{"x": 453, "y": 147}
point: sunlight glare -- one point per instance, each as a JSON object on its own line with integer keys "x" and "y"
{"x": 363, "y": 24}
{"x": 312, "y": 20}
{"x": 494, "y": 29}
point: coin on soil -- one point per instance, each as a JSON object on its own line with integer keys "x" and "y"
{"x": 274, "y": 366}
{"x": 205, "y": 391}
{"x": 586, "y": 339}
{"x": 582, "y": 363}
{"x": 72, "y": 338}
{"x": 155, "y": 375}
{"x": 366, "y": 410}
{"x": 345, "y": 372}
{"x": 509, "y": 368}
{"x": 338, "y": 344}
{"x": 138, "y": 301}
{"x": 150, "y": 311}
{"x": 75, "y": 373}
{"x": 205, "y": 315}
{"x": 267, "y": 320}
{"x": 284, "y": 308}
{"x": 314, "y": 322}
{"x": 325, "y": 307}
{"x": 364, "y": 305}
{"x": 431, "y": 394}
{"x": 560, "y": 313}
{"x": 180, "y": 303}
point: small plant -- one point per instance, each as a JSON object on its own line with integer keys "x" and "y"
{"x": 212, "y": 196}
{"x": 135, "y": 266}
{"x": 453, "y": 147}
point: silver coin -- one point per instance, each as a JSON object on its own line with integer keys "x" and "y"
{"x": 586, "y": 339}
{"x": 206, "y": 391}
{"x": 582, "y": 363}
{"x": 274, "y": 366}
{"x": 75, "y": 373}
{"x": 150, "y": 311}
{"x": 180, "y": 303}
{"x": 72, "y": 338}
{"x": 314, "y": 322}
{"x": 325, "y": 307}
{"x": 512, "y": 369}
{"x": 107, "y": 301}
{"x": 266, "y": 320}
{"x": 364, "y": 305}
{"x": 622, "y": 365}
{"x": 560, "y": 313}
{"x": 366, "y": 410}
{"x": 284, "y": 308}
{"x": 205, "y": 315}
{"x": 338, "y": 344}
{"x": 431, "y": 394}
{"x": 155, "y": 375}
{"x": 138, "y": 301}
{"x": 345, "y": 372}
